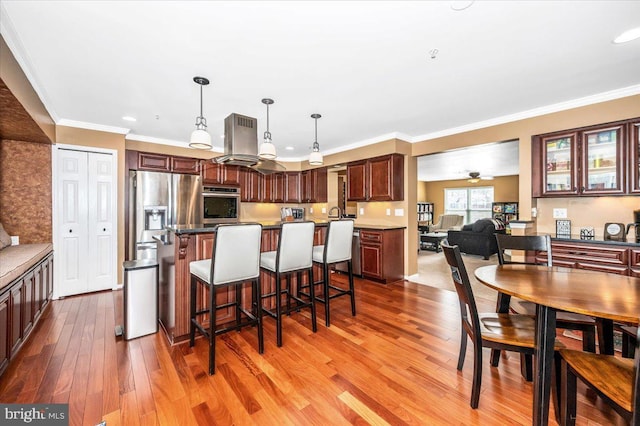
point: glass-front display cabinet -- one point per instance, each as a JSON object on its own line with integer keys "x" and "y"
{"x": 602, "y": 161}
{"x": 560, "y": 170}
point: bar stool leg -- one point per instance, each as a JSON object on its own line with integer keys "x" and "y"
{"x": 312, "y": 298}
{"x": 278, "y": 310}
{"x": 351, "y": 289}
{"x": 289, "y": 294}
{"x": 212, "y": 330}
{"x": 192, "y": 310}
{"x": 325, "y": 271}
{"x": 258, "y": 305}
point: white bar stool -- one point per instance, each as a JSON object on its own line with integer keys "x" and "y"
{"x": 294, "y": 255}
{"x": 337, "y": 249}
{"x": 235, "y": 260}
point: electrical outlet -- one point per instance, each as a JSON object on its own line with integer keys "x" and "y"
{"x": 311, "y": 210}
{"x": 15, "y": 240}
{"x": 534, "y": 212}
{"x": 361, "y": 211}
{"x": 559, "y": 213}
{"x": 324, "y": 210}
{"x": 388, "y": 212}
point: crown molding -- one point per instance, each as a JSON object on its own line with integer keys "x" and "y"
{"x": 92, "y": 126}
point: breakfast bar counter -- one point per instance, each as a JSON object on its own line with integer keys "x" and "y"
{"x": 183, "y": 244}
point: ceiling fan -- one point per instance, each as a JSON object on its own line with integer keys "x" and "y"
{"x": 474, "y": 177}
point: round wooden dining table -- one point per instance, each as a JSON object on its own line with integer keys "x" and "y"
{"x": 608, "y": 297}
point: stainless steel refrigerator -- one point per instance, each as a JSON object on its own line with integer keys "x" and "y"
{"x": 157, "y": 200}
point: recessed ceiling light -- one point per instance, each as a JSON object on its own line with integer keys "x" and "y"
{"x": 628, "y": 35}
{"x": 289, "y": 148}
{"x": 129, "y": 118}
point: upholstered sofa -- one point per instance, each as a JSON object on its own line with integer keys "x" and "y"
{"x": 447, "y": 222}
{"x": 477, "y": 238}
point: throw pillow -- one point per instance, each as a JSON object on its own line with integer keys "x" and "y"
{"x": 482, "y": 225}
{"x": 5, "y": 239}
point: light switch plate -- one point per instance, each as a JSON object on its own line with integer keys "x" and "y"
{"x": 310, "y": 209}
{"x": 324, "y": 210}
{"x": 15, "y": 240}
{"x": 388, "y": 212}
{"x": 361, "y": 211}
{"x": 399, "y": 212}
{"x": 559, "y": 213}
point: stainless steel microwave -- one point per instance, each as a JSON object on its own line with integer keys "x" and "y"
{"x": 220, "y": 204}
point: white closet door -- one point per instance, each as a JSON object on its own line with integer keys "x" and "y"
{"x": 100, "y": 223}
{"x": 85, "y": 226}
{"x": 73, "y": 222}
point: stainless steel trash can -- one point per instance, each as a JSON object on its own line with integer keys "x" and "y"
{"x": 140, "y": 298}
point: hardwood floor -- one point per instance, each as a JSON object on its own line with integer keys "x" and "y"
{"x": 394, "y": 363}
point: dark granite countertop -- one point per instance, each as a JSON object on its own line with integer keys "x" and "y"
{"x": 200, "y": 228}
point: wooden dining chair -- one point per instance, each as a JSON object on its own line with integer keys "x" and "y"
{"x": 510, "y": 332}
{"x": 614, "y": 379}
{"x": 566, "y": 320}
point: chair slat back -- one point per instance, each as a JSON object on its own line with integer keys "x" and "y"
{"x": 525, "y": 243}
{"x": 468, "y": 308}
{"x": 236, "y": 253}
{"x": 337, "y": 247}
{"x": 295, "y": 246}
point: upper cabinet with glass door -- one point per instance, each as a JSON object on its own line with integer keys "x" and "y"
{"x": 634, "y": 157}
{"x": 602, "y": 161}
{"x": 587, "y": 161}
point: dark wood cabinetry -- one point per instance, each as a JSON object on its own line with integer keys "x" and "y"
{"x": 274, "y": 188}
{"x": 292, "y": 193}
{"x": 589, "y": 161}
{"x": 382, "y": 254}
{"x": 634, "y": 156}
{"x": 164, "y": 163}
{"x": 251, "y": 186}
{"x": 22, "y": 303}
{"x": 314, "y": 185}
{"x": 220, "y": 174}
{"x": 376, "y": 179}
{"x": 357, "y": 181}
{"x": 603, "y": 257}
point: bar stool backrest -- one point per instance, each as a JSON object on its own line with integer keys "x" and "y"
{"x": 337, "y": 247}
{"x": 236, "y": 253}
{"x": 295, "y": 246}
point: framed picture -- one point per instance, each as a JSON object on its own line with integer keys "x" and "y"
{"x": 563, "y": 228}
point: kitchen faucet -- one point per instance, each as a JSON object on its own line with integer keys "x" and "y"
{"x": 331, "y": 215}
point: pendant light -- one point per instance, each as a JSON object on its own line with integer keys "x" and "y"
{"x": 200, "y": 139}
{"x": 315, "y": 158}
{"x": 267, "y": 148}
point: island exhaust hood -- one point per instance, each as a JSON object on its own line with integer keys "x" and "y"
{"x": 241, "y": 145}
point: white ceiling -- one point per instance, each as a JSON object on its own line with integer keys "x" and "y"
{"x": 364, "y": 65}
{"x": 490, "y": 160}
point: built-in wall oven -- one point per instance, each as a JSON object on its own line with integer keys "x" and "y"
{"x": 220, "y": 204}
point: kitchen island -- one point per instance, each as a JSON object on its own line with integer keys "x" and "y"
{"x": 183, "y": 244}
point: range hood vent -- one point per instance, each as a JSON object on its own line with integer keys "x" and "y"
{"x": 241, "y": 145}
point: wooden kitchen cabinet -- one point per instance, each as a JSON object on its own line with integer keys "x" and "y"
{"x": 382, "y": 254}
{"x": 251, "y": 186}
{"x": 612, "y": 258}
{"x": 376, "y": 179}
{"x": 634, "y": 263}
{"x": 314, "y": 185}
{"x": 589, "y": 161}
{"x": 4, "y": 332}
{"x": 164, "y": 163}
{"x": 274, "y": 188}
{"x": 220, "y": 174}
{"x": 357, "y": 181}
{"x": 292, "y": 193}
{"x": 634, "y": 157}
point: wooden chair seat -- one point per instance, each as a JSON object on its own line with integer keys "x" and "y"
{"x": 610, "y": 375}
{"x": 509, "y": 329}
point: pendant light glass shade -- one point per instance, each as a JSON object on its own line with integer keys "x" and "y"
{"x": 267, "y": 148}
{"x": 200, "y": 139}
{"x": 315, "y": 158}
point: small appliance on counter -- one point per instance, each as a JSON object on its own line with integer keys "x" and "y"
{"x": 635, "y": 225}
{"x": 288, "y": 214}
